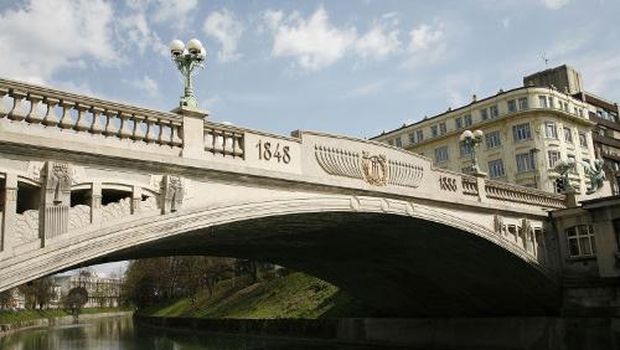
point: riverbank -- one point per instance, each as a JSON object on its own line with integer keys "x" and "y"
{"x": 295, "y": 295}
{"x": 423, "y": 333}
{"x": 20, "y": 320}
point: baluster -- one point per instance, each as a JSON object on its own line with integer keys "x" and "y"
{"x": 124, "y": 131}
{"x": 151, "y": 136}
{"x": 161, "y": 137}
{"x": 3, "y": 92}
{"x": 96, "y": 127}
{"x": 34, "y": 116}
{"x": 110, "y": 128}
{"x": 208, "y": 140}
{"x": 65, "y": 121}
{"x": 176, "y": 138}
{"x": 50, "y": 119}
{"x": 138, "y": 133}
{"x": 218, "y": 142}
{"x": 82, "y": 124}
{"x": 17, "y": 112}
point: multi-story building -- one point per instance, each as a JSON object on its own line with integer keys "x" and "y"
{"x": 102, "y": 291}
{"x": 527, "y": 130}
{"x": 606, "y": 133}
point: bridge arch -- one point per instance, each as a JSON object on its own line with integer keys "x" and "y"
{"x": 401, "y": 257}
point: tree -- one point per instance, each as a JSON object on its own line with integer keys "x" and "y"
{"x": 38, "y": 292}
{"x": 6, "y": 299}
{"x": 75, "y": 301}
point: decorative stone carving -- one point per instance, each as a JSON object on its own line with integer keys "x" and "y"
{"x": 404, "y": 174}
{"x": 114, "y": 211}
{"x": 172, "y": 192}
{"x": 26, "y": 227}
{"x": 79, "y": 216}
{"x": 527, "y": 234}
{"x": 339, "y": 162}
{"x": 447, "y": 183}
{"x": 375, "y": 169}
{"x": 149, "y": 204}
{"x": 56, "y": 186}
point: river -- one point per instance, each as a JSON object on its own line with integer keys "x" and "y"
{"x": 120, "y": 333}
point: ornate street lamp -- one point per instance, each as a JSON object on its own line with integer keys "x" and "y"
{"x": 188, "y": 58}
{"x": 472, "y": 140}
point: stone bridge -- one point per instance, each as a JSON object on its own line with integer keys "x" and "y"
{"x": 85, "y": 181}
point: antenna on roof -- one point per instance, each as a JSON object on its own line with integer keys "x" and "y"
{"x": 545, "y": 59}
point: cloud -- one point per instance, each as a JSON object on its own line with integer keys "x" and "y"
{"x": 427, "y": 44}
{"x": 554, "y": 4}
{"x": 314, "y": 42}
{"x": 37, "y": 44}
{"x": 176, "y": 11}
{"x": 380, "y": 41}
{"x": 146, "y": 84}
{"x": 225, "y": 28}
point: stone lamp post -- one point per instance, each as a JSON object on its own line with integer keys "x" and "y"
{"x": 188, "y": 58}
{"x": 473, "y": 140}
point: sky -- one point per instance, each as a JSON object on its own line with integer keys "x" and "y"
{"x": 345, "y": 67}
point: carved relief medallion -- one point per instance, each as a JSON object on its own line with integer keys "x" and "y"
{"x": 375, "y": 169}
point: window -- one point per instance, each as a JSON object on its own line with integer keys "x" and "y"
{"x": 484, "y": 114}
{"x": 512, "y": 106}
{"x": 467, "y": 120}
{"x": 542, "y": 101}
{"x": 523, "y": 103}
{"x": 550, "y": 130}
{"x": 442, "y": 128}
{"x": 398, "y": 142}
{"x": 493, "y": 139}
{"x": 582, "y": 139}
{"x": 419, "y": 135}
{"x": 554, "y": 158}
{"x": 525, "y": 162}
{"x": 568, "y": 135}
{"x": 581, "y": 112}
{"x": 494, "y": 111}
{"x": 458, "y": 123}
{"x": 580, "y": 241}
{"x": 434, "y": 130}
{"x": 571, "y": 158}
{"x": 441, "y": 154}
{"x": 551, "y": 102}
{"x": 521, "y": 132}
{"x": 496, "y": 168}
{"x": 412, "y": 138}
{"x": 464, "y": 148}
{"x": 566, "y": 107}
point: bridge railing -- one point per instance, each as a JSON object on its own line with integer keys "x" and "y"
{"x": 33, "y": 104}
{"x": 519, "y": 194}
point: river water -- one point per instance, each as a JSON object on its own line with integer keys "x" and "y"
{"x": 119, "y": 333}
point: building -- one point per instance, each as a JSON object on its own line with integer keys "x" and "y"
{"x": 102, "y": 291}
{"x": 606, "y": 133}
{"x": 527, "y": 130}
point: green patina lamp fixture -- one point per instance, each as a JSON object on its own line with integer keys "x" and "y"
{"x": 471, "y": 140}
{"x": 188, "y": 57}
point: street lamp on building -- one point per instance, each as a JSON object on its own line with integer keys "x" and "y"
{"x": 471, "y": 140}
{"x": 188, "y": 57}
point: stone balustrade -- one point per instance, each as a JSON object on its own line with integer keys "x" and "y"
{"x": 514, "y": 193}
{"x": 223, "y": 140}
{"x": 55, "y": 109}
{"x": 470, "y": 185}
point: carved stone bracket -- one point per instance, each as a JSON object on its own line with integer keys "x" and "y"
{"x": 172, "y": 193}
{"x": 376, "y": 170}
{"x": 56, "y": 182}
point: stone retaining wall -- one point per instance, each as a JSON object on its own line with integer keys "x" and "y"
{"x": 47, "y": 322}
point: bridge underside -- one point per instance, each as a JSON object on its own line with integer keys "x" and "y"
{"x": 400, "y": 266}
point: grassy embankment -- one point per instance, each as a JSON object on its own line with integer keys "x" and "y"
{"x": 10, "y": 317}
{"x": 296, "y": 295}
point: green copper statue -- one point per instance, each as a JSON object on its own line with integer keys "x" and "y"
{"x": 596, "y": 174}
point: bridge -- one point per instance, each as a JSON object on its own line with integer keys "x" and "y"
{"x": 86, "y": 181}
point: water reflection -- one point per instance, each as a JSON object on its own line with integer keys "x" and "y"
{"x": 120, "y": 333}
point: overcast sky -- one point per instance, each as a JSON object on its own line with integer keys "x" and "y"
{"x": 348, "y": 67}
